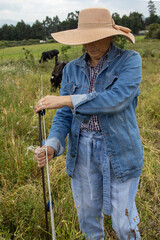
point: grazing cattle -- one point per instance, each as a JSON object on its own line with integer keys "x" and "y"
{"x": 57, "y": 75}
{"x": 49, "y": 55}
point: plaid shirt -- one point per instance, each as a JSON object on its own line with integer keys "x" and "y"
{"x": 94, "y": 122}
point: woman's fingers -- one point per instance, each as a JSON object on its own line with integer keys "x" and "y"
{"x": 41, "y": 162}
{"x": 41, "y": 105}
{"x": 40, "y": 155}
{"x": 53, "y": 102}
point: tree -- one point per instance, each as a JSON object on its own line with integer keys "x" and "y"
{"x": 23, "y": 31}
{"x": 5, "y": 34}
{"x": 136, "y": 22}
{"x": 20, "y": 30}
{"x": 153, "y": 18}
{"x": 56, "y": 24}
{"x": 11, "y": 33}
{"x": 126, "y": 21}
{"x": 117, "y": 18}
{"x": 51, "y": 25}
{"x": 151, "y": 8}
{"x": 48, "y": 25}
{"x": 72, "y": 20}
{"x": 38, "y": 30}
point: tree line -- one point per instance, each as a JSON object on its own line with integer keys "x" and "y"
{"x": 42, "y": 30}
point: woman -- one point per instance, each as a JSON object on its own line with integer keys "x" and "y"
{"x": 97, "y": 110}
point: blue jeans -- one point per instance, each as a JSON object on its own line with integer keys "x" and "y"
{"x": 89, "y": 188}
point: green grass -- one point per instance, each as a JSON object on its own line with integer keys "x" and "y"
{"x": 16, "y": 53}
{"x": 21, "y": 196}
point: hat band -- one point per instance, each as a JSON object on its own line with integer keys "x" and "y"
{"x": 86, "y": 26}
{"x": 93, "y": 25}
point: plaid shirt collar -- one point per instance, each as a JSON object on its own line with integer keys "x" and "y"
{"x": 102, "y": 60}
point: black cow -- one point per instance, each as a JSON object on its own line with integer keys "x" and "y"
{"x": 49, "y": 55}
{"x": 57, "y": 75}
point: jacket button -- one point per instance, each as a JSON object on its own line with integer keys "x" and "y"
{"x": 73, "y": 155}
{"x": 75, "y": 135}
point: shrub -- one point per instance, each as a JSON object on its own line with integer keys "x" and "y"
{"x": 119, "y": 41}
{"x": 64, "y": 50}
{"x": 154, "y": 31}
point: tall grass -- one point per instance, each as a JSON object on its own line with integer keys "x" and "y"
{"x": 21, "y": 196}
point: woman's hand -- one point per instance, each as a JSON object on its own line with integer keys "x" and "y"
{"x": 40, "y": 155}
{"x": 53, "y": 102}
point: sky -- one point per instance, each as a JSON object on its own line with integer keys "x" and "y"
{"x": 31, "y": 10}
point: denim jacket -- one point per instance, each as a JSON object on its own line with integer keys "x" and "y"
{"x": 114, "y": 100}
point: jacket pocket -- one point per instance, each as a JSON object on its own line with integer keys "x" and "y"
{"x": 110, "y": 79}
{"x": 137, "y": 146}
{"x": 72, "y": 88}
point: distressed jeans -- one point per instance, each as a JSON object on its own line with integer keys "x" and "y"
{"x": 93, "y": 194}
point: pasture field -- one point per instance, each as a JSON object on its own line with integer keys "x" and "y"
{"x": 21, "y": 196}
{"x": 16, "y": 53}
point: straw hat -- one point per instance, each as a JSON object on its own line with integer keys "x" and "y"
{"x": 93, "y": 24}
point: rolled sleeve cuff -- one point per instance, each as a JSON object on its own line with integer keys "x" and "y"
{"x": 56, "y": 144}
{"x": 78, "y": 99}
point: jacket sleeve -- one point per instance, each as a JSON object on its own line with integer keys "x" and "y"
{"x": 61, "y": 125}
{"x": 118, "y": 97}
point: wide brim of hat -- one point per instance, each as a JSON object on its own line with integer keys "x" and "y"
{"x": 84, "y": 36}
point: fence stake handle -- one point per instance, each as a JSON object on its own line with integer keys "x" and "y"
{"x": 41, "y": 113}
